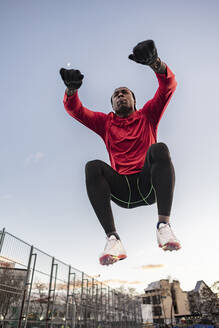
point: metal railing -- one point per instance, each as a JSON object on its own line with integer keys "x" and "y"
{"x": 39, "y": 291}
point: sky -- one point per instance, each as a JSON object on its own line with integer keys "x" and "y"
{"x": 44, "y": 151}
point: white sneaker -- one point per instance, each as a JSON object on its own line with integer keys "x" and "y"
{"x": 113, "y": 251}
{"x": 166, "y": 238}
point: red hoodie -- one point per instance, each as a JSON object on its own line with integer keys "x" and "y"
{"x": 127, "y": 139}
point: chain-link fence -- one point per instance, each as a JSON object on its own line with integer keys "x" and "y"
{"x": 37, "y": 290}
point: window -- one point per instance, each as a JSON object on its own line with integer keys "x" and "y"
{"x": 157, "y": 310}
{"x": 147, "y": 300}
{"x": 156, "y": 299}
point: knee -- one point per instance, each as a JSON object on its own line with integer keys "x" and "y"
{"x": 160, "y": 152}
{"x": 93, "y": 168}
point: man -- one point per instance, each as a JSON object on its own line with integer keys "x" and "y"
{"x": 141, "y": 171}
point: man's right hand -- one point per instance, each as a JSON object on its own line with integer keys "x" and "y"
{"x": 72, "y": 78}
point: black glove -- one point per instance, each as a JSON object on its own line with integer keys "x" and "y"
{"x": 144, "y": 53}
{"x": 72, "y": 78}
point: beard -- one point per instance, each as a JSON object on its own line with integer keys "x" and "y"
{"x": 123, "y": 110}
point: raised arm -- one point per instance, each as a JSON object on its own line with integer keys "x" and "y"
{"x": 93, "y": 120}
{"x": 145, "y": 53}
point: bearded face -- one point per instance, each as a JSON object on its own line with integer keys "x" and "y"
{"x": 123, "y": 102}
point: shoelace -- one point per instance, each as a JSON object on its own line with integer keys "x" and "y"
{"x": 166, "y": 230}
{"x": 110, "y": 244}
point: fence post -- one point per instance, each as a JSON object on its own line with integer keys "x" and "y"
{"x": 3, "y": 232}
{"x": 25, "y": 288}
{"x": 67, "y": 318}
{"x": 70, "y": 316}
{"x": 49, "y": 311}
{"x": 30, "y": 289}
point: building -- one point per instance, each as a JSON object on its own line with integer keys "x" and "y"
{"x": 204, "y": 303}
{"x": 164, "y": 302}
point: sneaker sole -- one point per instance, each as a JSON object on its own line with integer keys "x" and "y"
{"x": 108, "y": 259}
{"x": 172, "y": 246}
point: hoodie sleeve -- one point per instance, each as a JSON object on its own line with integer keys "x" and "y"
{"x": 155, "y": 107}
{"x": 95, "y": 121}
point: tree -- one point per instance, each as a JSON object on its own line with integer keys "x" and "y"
{"x": 127, "y": 290}
{"x": 11, "y": 291}
{"x": 40, "y": 298}
{"x": 209, "y": 302}
{"x": 215, "y": 287}
{"x": 204, "y": 303}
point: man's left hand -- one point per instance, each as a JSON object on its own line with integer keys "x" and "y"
{"x": 144, "y": 53}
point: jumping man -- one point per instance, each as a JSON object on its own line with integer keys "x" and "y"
{"x": 141, "y": 171}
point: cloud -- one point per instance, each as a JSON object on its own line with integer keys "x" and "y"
{"x": 34, "y": 158}
{"x": 95, "y": 276}
{"x": 5, "y": 196}
{"x": 89, "y": 283}
{"x": 151, "y": 266}
{"x": 123, "y": 282}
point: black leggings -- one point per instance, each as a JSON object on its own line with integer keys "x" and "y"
{"x": 155, "y": 183}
